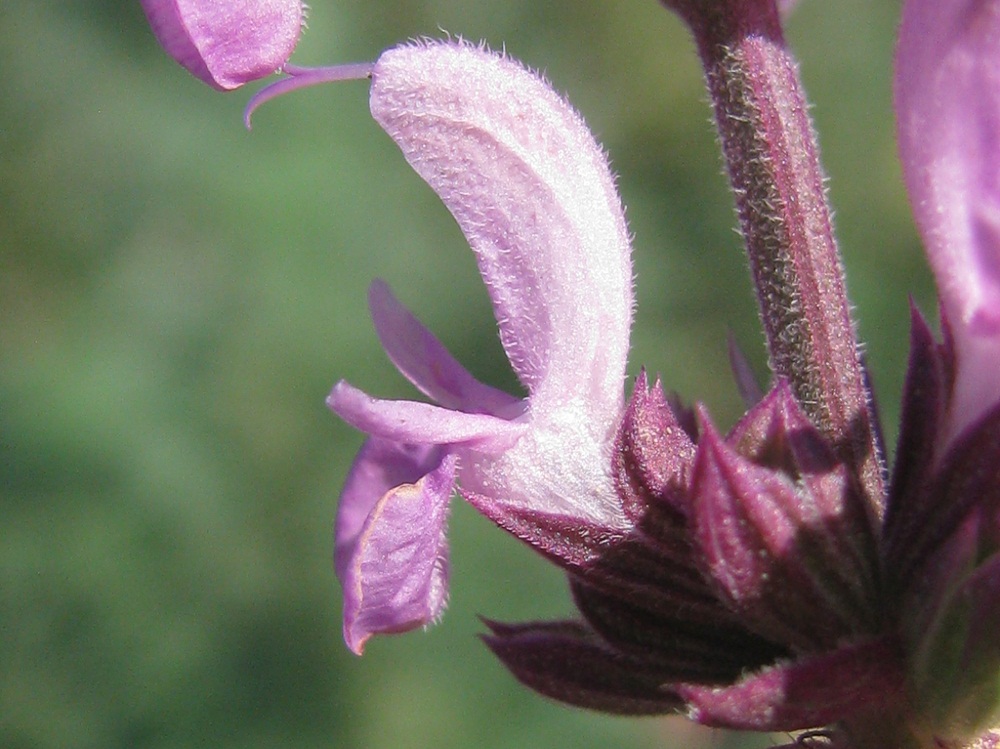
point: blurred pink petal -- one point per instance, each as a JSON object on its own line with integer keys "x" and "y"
{"x": 948, "y": 110}
{"x": 227, "y": 44}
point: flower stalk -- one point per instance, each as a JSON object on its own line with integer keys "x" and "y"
{"x": 772, "y": 160}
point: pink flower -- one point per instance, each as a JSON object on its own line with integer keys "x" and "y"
{"x": 534, "y": 196}
{"x": 227, "y": 44}
{"x": 948, "y": 110}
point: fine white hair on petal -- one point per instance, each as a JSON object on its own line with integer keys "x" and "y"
{"x": 534, "y": 195}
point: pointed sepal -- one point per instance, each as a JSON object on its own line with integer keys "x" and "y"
{"x": 967, "y": 481}
{"x": 909, "y": 530}
{"x": 808, "y": 692}
{"x": 696, "y": 640}
{"x": 571, "y": 542}
{"x": 653, "y": 453}
{"x": 624, "y": 563}
{"x": 566, "y": 661}
{"x": 781, "y": 528}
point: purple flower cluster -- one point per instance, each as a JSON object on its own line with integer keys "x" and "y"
{"x": 775, "y": 577}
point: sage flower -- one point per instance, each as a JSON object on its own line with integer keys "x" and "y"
{"x": 534, "y": 196}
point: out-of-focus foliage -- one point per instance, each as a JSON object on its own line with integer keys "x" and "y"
{"x": 177, "y": 296}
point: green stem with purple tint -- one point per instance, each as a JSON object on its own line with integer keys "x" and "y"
{"x": 771, "y": 155}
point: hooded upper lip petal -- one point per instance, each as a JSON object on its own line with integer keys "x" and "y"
{"x": 532, "y": 192}
{"x": 534, "y": 196}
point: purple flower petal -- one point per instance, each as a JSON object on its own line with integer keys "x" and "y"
{"x": 948, "y": 110}
{"x": 424, "y": 423}
{"x": 392, "y": 555}
{"x": 533, "y": 194}
{"x": 424, "y": 361}
{"x": 379, "y": 466}
{"x": 227, "y": 44}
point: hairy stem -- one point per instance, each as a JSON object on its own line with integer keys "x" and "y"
{"x": 771, "y": 155}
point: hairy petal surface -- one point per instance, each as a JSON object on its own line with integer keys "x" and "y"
{"x": 533, "y": 194}
{"x": 948, "y": 110}
{"x": 227, "y": 44}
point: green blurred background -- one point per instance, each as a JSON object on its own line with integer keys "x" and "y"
{"x": 177, "y": 296}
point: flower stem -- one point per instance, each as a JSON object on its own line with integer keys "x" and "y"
{"x": 771, "y": 154}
